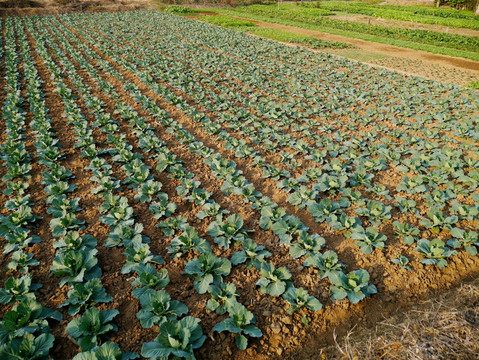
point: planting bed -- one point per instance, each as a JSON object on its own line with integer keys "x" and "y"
{"x": 181, "y": 189}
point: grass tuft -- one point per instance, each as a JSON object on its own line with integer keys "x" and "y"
{"x": 292, "y": 37}
{"x": 227, "y": 21}
{"x": 474, "y": 85}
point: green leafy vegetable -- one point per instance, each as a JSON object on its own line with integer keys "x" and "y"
{"x": 207, "y": 269}
{"x": 299, "y": 297}
{"x": 273, "y": 281}
{"x": 241, "y": 322}
{"x": 176, "y": 339}
{"x": 87, "y": 329}
{"x": 354, "y": 285}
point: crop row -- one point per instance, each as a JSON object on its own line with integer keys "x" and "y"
{"x": 24, "y": 330}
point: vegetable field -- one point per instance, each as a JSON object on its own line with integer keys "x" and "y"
{"x": 457, "y": 43}
{"x": 177, "y": 190}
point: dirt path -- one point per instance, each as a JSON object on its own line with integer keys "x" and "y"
{"x": 373, "y": 20}
{"x": 414, "y": 62}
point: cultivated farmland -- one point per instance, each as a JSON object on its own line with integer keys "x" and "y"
{"x": 180, "y": 190}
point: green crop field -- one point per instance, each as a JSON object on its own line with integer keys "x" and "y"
{"x": 415, "y": 13}
{"x": 173, "y": 189}
{"x": 308, "y": 17}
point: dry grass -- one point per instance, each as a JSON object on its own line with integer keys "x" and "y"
{"x": 444, "y": 328}
{"x": 50, "y": 7}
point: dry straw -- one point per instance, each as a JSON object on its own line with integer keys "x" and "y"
{"x": 441, "y": 328}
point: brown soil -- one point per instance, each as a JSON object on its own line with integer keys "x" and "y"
{"x": 199, "y": 15}
{"x": 366, "y": 19}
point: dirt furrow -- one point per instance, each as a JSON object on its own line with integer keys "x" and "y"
{"x": 43, "y": 251}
